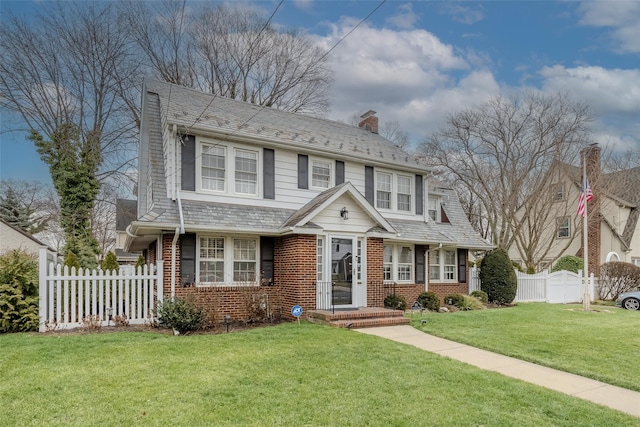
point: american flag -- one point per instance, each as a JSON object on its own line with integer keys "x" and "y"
{"x": 585, "y": 195}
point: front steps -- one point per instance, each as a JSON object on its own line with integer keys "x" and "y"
{"x": 364, "y": 317}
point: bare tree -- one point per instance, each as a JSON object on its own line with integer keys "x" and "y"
{"x": 72, "y": 69}
{"x": 230, "y": 51}
{"x": 502, "y": 152}
{"x": 394, "y": 133}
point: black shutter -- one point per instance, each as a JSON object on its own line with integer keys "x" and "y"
{"x": 188, "y": 259}
{"x": 368, "y": 184}
{"x": 267, "y": 250}
{"x": 420, "y": 263}
{"x": 269, "y": 173}
{"x": 188, "y": 155}
{"x": 339, "y": 172}
{"x": 303, "y": 171}
{"x": 419, "y": 194}
{"x": 462, "y": 265}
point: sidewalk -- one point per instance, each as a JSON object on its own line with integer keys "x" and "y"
{"x": 623, "y": 400}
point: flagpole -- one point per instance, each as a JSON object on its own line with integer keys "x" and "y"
{"x": 586, "y": 299}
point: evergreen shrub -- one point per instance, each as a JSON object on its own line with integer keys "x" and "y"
{"x": 180, "y": 314}
{"x": 569, "y": 263}
{"x": 396, "y": 302}
{"x": 497, "y": 277}
{"x": 454, "y": 299}
{"x": 429, "y": 301}
{"x": 18, "y": 292}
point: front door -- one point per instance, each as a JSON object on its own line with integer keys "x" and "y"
{"x": 342, "y": 277}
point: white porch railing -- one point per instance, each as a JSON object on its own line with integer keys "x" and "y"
{"x": 560, "y": 287}
{"x": 70, "y": 298}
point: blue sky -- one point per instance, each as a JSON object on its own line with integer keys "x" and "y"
{"x": 414, "y": 62}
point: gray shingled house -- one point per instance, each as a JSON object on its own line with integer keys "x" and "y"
{"x": 256, "y": 210}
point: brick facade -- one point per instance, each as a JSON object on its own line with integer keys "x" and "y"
{"x": 294, "y": 282}
{"x": 592, "y": 156}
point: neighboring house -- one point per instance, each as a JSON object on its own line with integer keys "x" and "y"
{"x": 613, "y": 225}
{"x": 15, "y": 238}
{"x": 233, "y": 196}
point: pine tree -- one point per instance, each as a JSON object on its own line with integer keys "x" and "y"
{"x": 13, "y": 212}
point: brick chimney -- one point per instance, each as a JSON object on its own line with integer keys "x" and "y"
{"x": 592, "y": 156}
{"x": 369, "y": 121}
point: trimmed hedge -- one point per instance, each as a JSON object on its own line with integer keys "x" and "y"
{"x": 497, "y": 277}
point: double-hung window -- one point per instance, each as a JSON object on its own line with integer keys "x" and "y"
{"x": 320, "y": 174}
{"x": 564, "y": 227}
{"x": 213, "y": 167}
{"x": 442, "y": 265}
{"x": 383, "y": 191}
{"x": 557, "y": 192}
{"x": 398, "y": 263}
{"x": 212, "y": 259}
{"x": 433, "y": 208}
{"x": 244, "y": 260}
{"x": 404, "y": 193}
{"x": 246, "y": 172}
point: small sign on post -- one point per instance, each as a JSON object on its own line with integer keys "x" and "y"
{"x": 296, "y": 310}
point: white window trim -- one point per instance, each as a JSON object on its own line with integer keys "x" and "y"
{"x": 410, "y": 193}
{"x": 395, "y": 257}
{"x": 441, "y": 265}
{"x": 230, "y": 168}
{"x": 393, "y": 198}
{"x": 438, "y": 207}
{"x": 560, "y": 226}
{"x": 558, "y": 192}
{"x": 332, "y": 178}
{"x": 229, "y": 260}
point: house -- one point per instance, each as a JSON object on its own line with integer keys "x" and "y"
{"x": 15, "y": 238}
{"x": 612, "y": 214}
{"x": 243, "y": 202}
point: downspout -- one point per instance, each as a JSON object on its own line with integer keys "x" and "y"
{"x": 179, "y": 230}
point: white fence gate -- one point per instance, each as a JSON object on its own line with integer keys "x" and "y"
{"x": 561, "y": 287}
{"x": 70, "y": 298}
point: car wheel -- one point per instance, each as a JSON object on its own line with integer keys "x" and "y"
{"x": 631, "y": 304}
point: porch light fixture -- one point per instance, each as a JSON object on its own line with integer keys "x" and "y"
{"x": 344, "y": 213}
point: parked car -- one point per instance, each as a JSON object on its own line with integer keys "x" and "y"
{"x": 629, "y": 300}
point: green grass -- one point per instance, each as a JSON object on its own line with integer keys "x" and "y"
{"x": 277, "y": 376}
{"x": 602, "y": 344}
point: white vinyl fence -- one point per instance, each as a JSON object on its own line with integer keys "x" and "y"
{"x": 561, "y": 287}
{"x": 70, "y": 299}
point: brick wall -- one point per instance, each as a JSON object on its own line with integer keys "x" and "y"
{"x": 295, "y": 272}
{"x": 592, "y": 156}
{"x": 444, "y": 289}
{"x": 375, "y": 291}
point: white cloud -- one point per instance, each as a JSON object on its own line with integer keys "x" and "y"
{"x": 303, "y": 4}
{"x": 409, "y": 76}
{"x": 607, "y": 91}
{"x": 405, "y": 19}
{"x": 464, "y": 14}
{"x": 623, "y": 17}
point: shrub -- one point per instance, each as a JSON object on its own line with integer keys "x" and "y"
{"x": 110, "y": 263}
{"x": 429, "y": 301}
{"x": 18, "y": 292}
{"x": 396, "y": 302}
{"x": 497, "y": 277}
{"x": 71, "y": 260}
{"x": 617, "y": 277}
{"x": 471, "y": 303}
{"x": 480, "y": 295}
{"x": 454, "y": 299}
{"x": 180, "y": 314}
{"x": 569, "y": 263}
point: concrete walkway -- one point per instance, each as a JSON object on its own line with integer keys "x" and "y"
{"x": 623, "y": 400}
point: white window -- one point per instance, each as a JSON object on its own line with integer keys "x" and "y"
{"x": 442, "y": 265}
{"x": 564, "y": 227}
{"x": 320, "y": 259}
{"x": 433, "y": 208}
{"x": 246, "y": 172}
{"x": 217, "y": 266}
{"x": 212, "y": 259}
{"x": 388, "y": 262}
{"x": 213, "y": 170}
{"x": 635, "y": 261}
{"x": 320, "y": 174}
{"x": 404, "y": 193}
{"x": 383, "y": 191}
{"x": 557, "y": 192}
{"x": 398, "y": 263}
{"x": 244, "y": 260}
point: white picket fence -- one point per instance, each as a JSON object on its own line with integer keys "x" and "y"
{"x": 71, "y": 299}
{"x": 561, "y": 287}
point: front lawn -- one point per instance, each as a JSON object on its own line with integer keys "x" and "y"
{"x": 602, "y": 344}
{"x": 276, "y": 376}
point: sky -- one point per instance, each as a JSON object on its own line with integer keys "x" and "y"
{"x": 415, "y": 62}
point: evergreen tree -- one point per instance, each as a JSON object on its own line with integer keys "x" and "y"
{"x": 110, "y": 262}
{"x": 15, "y": 213}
